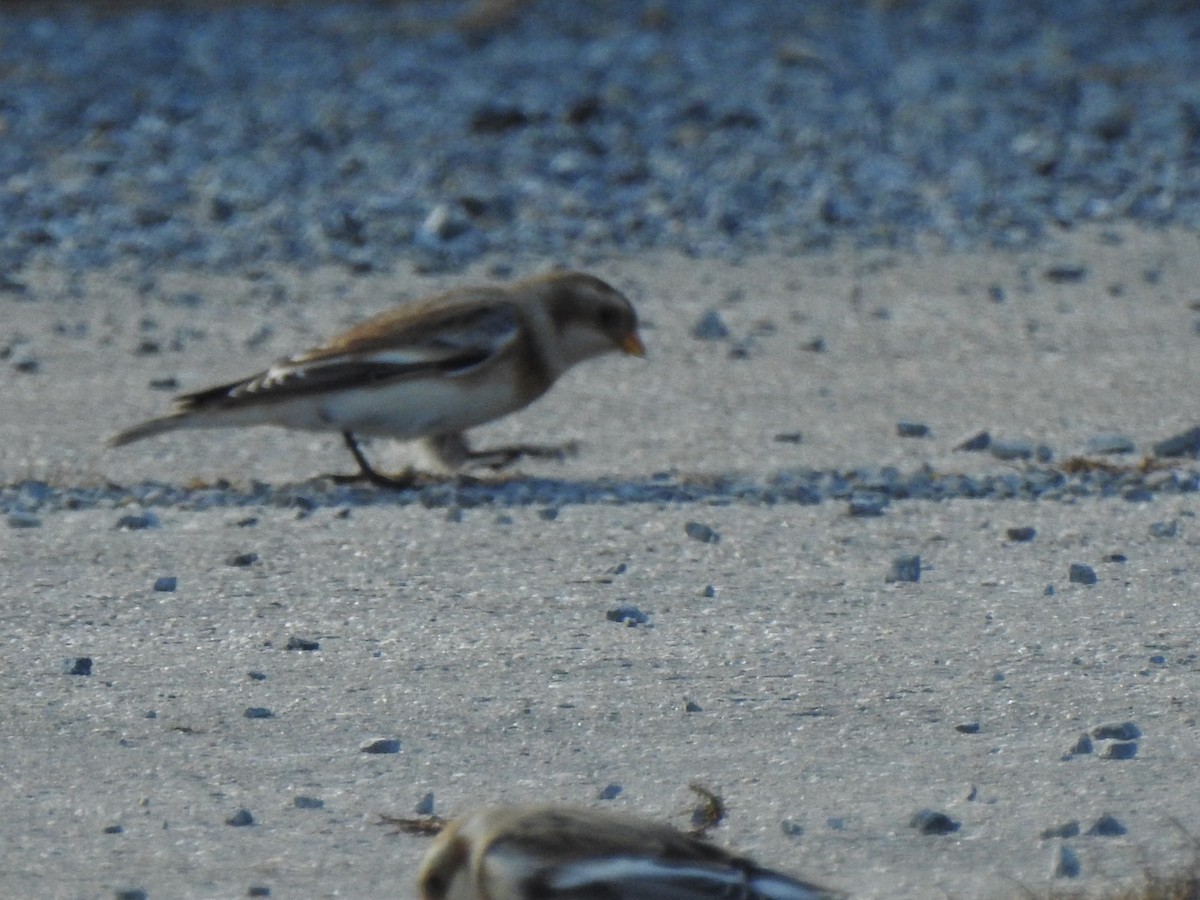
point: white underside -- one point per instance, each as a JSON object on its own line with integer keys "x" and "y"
{"x": 406, "y": 410}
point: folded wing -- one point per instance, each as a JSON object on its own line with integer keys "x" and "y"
{"x": 379, "y": 351}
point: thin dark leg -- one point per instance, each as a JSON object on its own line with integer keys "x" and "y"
{"x": 367, "y": 472}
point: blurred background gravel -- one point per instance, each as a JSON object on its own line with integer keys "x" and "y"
{"x": 372, "y": 134}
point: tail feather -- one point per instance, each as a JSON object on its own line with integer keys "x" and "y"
{"x": 148, "y": 429}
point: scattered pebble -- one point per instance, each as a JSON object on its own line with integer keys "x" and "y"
{"x": 258, "y": 676}
{"x": 967, "y": 728}
{"x": 791, "y": 829}
{"x": 1083, "y": 746}
{"x": 789, "y": 437}
{"x": 240, "y": 819}
{"x": 299, "y": 643}
{"x": 692, "y": 707}
{"x": 627, "y": 613}
{"x": 1107, "y": 826}
{"x": 114, "y": 829}
{"x": 1080, "y": 573}
{"x": 241, "y": 559}
{"x": 610, "y": 792}
{"x": 698, "y": 531}
{"x": 1164, "y": 529}
{"x": 1066, "y": 862}
{"x": 77, "y": 665}
{"x": 1011, "y": 450}
{"x": 930, "y": 821}
{"x": 905, "y": 568}
{"x": 166, "y": 584}
{"x": 425, "y": 806}
{"x": 23, "y": 520}
{"x": 1021, "y": 533}
{"x": 302, "y": 802}
{"x": 1120, "y": 750}
{"x": 380, "y": 745}
{"x": 711, "y": 327}
{"x": 137, "y": 521}
{"x": 131, "y": 894}
{"x": 1064, "y": 274}
{"x": 258, "y": 890}
{"x": 1065, "y": 830}
{"x": 912, "y": 429}
{"x": 866, "y": 506}
{"x": 977, "y": 442}
{"x": 258, "y": 712}
{"x": 1185, "y": 444}
{"x": 1122, "y": 731}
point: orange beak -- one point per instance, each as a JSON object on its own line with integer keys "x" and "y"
{"x": 632, "y": 344}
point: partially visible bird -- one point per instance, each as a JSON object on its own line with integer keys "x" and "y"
{"x": 563, "y": 853}
{"x": 427, "y": 370}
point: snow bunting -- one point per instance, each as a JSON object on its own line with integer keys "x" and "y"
{"x": 427, "y": 370}
{"x": 559, "y": 853}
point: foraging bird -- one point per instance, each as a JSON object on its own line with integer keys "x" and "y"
{"x": 561, "y": 853}
{"x": 427, "y": 370}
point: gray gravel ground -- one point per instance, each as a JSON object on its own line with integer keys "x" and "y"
{"x": 350, "y": 133}
{"x": 863, "y": 239}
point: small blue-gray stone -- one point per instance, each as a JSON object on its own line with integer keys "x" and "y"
{"x": 425, "y": 805}
{"x": 299, "y": 643}
{"x": 711, "y": 327}
{"x": 1107, "y": 826}
{"x": 1083, "y": 746}
{"x": 1080, "y": 573}
{"x": 241, "y": 559}
{"x": 23, "y": 520}
{"x": 930, "y": 821}
{"x": 137, "y": 521}
{"x": 381, "y": 745}
{"x": 609, "y": 792}
{"x": 693, "y": 707}
{"x": 967, "y": 728}
{"x": 240, "y": 819}
{"x": 698, "y": 531}
{"x": 791, "y": 829}
{"x": 627, "y": 613}
{"x": 166, "y": 583}
{"x": 258, "y": 712}
{"x": 302, "y": 802}
{"x": 1010, "y": 450}
{"x": 1065, "y": 830}
{"x": 975, "y": 443}
{"x": 77, "y": 665}
{"x": 1021, "y": 533}
{"x": 912, "y": 429}
{"x": 866, "y": 506}
{"x": 905, "y": 568}
{"x": 1067, "y": 863}
{"x": 1119, "y": 731}
{"x": 1164, "y": 529}
{"x": 1185, "y": 444}
{"x": 1120, "y": 750}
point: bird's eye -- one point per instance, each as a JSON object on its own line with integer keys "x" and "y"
{"x": 608, "y": 318}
